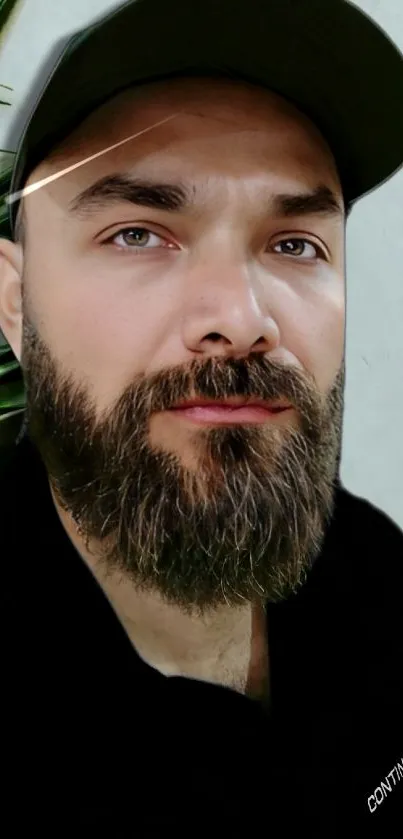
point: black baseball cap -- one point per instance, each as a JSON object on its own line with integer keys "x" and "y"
{"x": 326, "y": 57}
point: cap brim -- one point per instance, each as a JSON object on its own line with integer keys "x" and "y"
{"x": 327, "y": 58}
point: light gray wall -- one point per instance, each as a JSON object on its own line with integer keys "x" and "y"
{"x": 372, "y": 463}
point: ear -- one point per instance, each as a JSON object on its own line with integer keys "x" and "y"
{"x": 11, "y": 265}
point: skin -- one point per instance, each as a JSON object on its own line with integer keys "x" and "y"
{"x": 214, "y": 282}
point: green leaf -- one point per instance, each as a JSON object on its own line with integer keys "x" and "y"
{"x": 12, "y": 396}
{"x": 12, "y": 389}
{"x": 5, "y": 181}
{"x": 8, "y": 368}
{"x": 6, "y": 8}
{"x": 6, "y": 417}
{"x": 5, "y": 350}
{"x": 10, "y": 427}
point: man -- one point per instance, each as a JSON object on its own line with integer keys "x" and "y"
{"x": 203, "y": 626}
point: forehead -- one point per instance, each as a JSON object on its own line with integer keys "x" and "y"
{"x": 192, "y": 123}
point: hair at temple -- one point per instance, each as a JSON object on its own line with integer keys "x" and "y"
{"x": 19, "y": 230}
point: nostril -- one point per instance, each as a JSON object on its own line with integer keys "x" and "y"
{"x": 214, "y": 336}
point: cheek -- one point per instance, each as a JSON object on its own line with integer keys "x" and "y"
{"x": 314, "y": 331}
{"x": 103, "y": 327}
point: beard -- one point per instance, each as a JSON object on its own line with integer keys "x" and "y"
{"x": 246, "y": 524}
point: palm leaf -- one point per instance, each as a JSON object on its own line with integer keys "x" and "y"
{"x": 11, "y": 397}
{"x": 12, "y": 393}
{"x": 6, "y": 7}
{"x": 10, "y": 428}
{"x": 4, "y": 351}
{"x": 5, "y": 180}
{"x": 8, "y": 367}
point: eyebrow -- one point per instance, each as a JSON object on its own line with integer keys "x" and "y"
{"x": 176, "y": 197}
{"x": 321, "y": 201}
{"x": 117, "y": 189}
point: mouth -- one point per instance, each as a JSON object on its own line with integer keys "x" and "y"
{"x": 232, "y": 411}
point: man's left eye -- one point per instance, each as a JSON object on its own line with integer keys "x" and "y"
{"x": 299, "y": 248}
{"x": 140, "y": 238}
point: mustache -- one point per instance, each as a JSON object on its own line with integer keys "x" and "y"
{"x": 213, "y": 378}
{"x": 219, "y": 378}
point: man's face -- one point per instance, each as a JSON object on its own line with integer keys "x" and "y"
{"x": 140, "y": 298}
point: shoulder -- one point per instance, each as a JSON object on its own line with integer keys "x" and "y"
{"x": 370, "y": 552}
{"x": 22, "y": 498}
{"x": 365, "y": 552}
{"x": 20, "y": 463}
{"x": 359, "y": 571}
{"x": 14, "y": 466}
{"x": 359, "y": 508}
{"x": 365, "y": 528}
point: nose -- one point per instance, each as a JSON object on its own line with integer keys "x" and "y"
{"x": 227, "y": 312}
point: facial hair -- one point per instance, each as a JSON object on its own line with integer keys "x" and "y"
{"x": 245, "y": 525}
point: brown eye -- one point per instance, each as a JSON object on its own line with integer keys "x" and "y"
{"x": 299, "y": 248}
{"x": 137, "y": 236}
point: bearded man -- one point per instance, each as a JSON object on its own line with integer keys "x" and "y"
{"x": 203, "y": 623}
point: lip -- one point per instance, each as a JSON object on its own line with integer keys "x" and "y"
{"x": 273, "y": 406}
{"x": 232, "y": 411}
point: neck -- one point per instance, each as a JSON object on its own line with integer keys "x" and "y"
{"x": 227, "y": 645}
